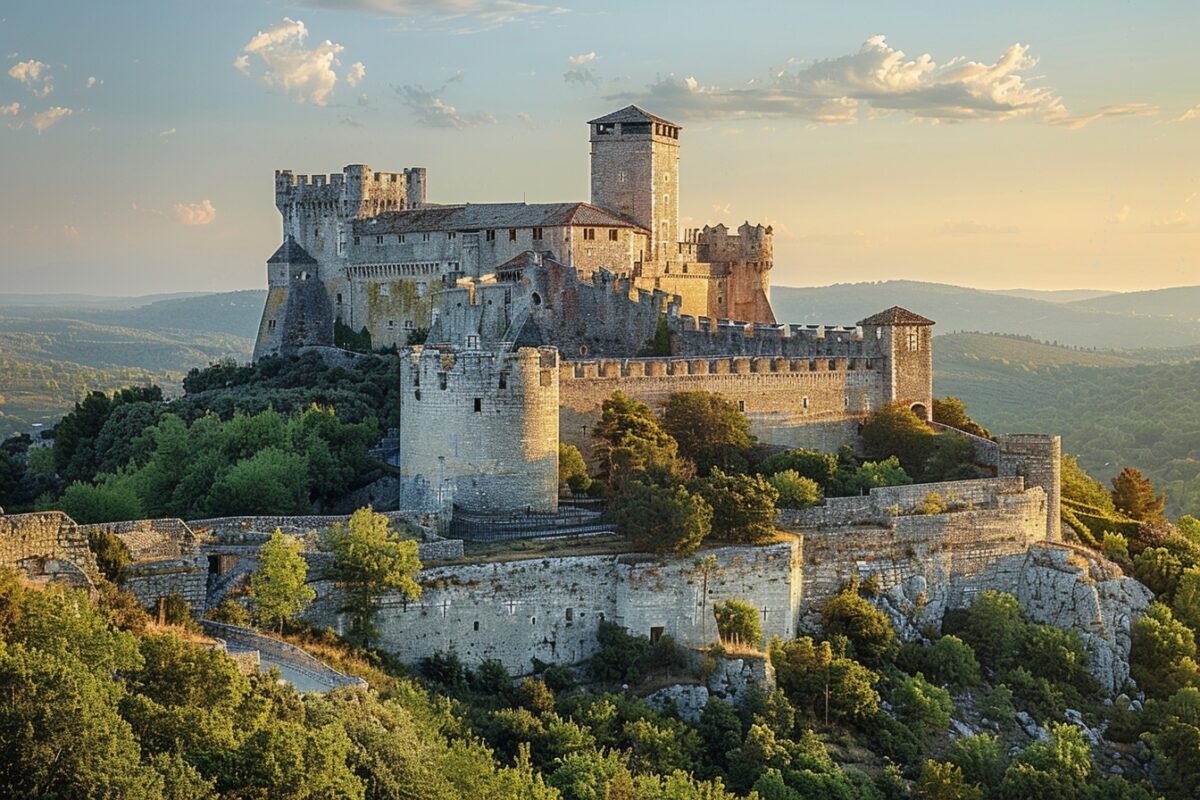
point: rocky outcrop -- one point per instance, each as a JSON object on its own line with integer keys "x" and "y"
{"x": 687, "y": 700}
{"x": 732, "y": 678}
{"x": 1062, "y": 585}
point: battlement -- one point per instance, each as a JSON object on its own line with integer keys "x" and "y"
{"x": 837, "y": 333}
{"x": 615, "y": 368}
{"x": 355, "y": 184}
{"x": 752, "y": 243}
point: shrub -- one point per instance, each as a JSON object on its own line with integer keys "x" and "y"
{"x": 661, "y": 519}
{"x": 922, "y": 706}
{"x": 981, "y": 758}
{"x": 867, "y": 628}
{"x": 572, "y": 470}
{"x": 738, "y": 623}
{"x": 743, "y": 506}
{"x": 951, "y": 661}
{"x": 941, "y": 780}
{"x": 796, "y": 491}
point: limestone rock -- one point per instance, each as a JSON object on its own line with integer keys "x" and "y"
{"x": 733, "y": 677}
{"x": 688, "y": 700}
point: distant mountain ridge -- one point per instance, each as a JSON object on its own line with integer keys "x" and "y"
{"x": 957, "y": 308}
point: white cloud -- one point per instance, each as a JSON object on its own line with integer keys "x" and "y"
{"x": 357, "y": 72}
{"x": 305, "y": 75}
{"x": 432, "y": 112}
{"x": 35, "y": 75}
{"x": 91, "y": 81}
{"x": 1191, "y": 113}
{"x": 1120, "y": 216}
{"x": 877, "y": 81}
{"x": 10, "y": 110}
{"x": 195, "y": 213}
{"x": 44, "y": 119}
{"x": 973, "y": 227}
{"x": 70, "y": 232}
{"x": 579, "y": 72}
{"x": 462, "y": 16}
{"x": 167, "y": 132}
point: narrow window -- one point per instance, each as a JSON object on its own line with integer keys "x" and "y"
{"x": 391, "y": 324}
{"x": 537, "y": 234}
{"x": 570, "y": 614}
{"x": 741, "y": 405}
{"x": 805, "y": 402}
{"x": 589, "y": 234}
{"x": 476, "y": 625}
{"x": 356, "y": 240}
{"x": 913, "y": 342}
{"x": 491, "y": 236}
{"x": 270, "y": 324}
{"x": 503, "y": 380}
{"x": 416, "y": 379}
{"x": 612, "y": 234}
{"x": 473, "y": 344}
{"x": 656, "y": 633}
{"x": 533, "y": 620}
{"x": 451, "y": 236}
{"x": 512, "y": 234}
{"x": 441, "y": 380}
{"x": 424, "y": 237}
{"x": 400, "y": 238}
{"x": 339, "y": 297}
{"x": 478, "y": 405}
{"x": 378, "y": 240}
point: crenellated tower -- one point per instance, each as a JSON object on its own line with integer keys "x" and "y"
{"x": 635, "y": 172}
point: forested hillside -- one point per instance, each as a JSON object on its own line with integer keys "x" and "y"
{"x": 1112, "y": 409}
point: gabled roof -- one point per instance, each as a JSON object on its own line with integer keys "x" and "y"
{"x": 630, "y": 114}
{"x": 290, "y": 252}
{"x": 896, "y": 316}
{"x": 481, "y": 216}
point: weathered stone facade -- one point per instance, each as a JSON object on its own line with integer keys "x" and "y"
{"x": 47, "y": 546}
{"x": 380, "y": 250}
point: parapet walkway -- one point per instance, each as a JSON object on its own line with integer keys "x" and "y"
{"x": 296, "y": 666}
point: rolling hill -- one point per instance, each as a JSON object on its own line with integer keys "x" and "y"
{"x": 956, "y": 308}
{"x": 52, "y": 353}
{"x": 1181, "y": 302}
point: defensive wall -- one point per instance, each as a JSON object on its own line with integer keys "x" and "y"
{"x": 165, "y": 559}
{"x": 815, "y": 403}
{"x": 551, "y": 608}
{"x": 46, "y": 546}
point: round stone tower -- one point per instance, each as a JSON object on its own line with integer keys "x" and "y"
{"x": 479, "y": 429}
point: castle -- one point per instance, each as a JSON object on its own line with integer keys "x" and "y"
{"x": 532, "y": 315}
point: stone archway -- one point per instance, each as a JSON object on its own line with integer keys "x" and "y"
{"x": 921, "y": 411}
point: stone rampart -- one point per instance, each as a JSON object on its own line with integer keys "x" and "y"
{"x": 789, "y": 402}
{"x": 278, "y": 651}
{"x": 886, "y": 502}
{"x": 551, "y": 608}
{"x": 47, "y": 545}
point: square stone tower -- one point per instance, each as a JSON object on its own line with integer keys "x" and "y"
{"x": 635, "y": 173}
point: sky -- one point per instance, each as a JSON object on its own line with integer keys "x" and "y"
{"x": 1033, "y": 144}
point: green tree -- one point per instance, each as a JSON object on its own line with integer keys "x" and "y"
{"x": 867, "y": 628}
{"x": 112, "y": 556}
{"x": 1080, "y": 487}
{"x": 1058, "y": 768}
{"x": 661, "y": 519}
{"x": 1159, "y": 570}
{"x": 921, "y": 706}
{"x": 709, "y": 429}
{"x": 572, "y": 469}
{"x": 631, "y": 442}
{"x": 1176, "y": 741}
{"x": 994, "y": 627}
{"x": 1162, "y": 655}
{"x": 796, "y": 491}
{"x": 743, "y": 506}
{"x": 951, "y": 661}
{"x": 951, "y": 411}
{"x": 112, "y": 500}
{"x": 874, "y": 474}
{"x": 828, "y": 687}
{"x": 738, "y": 623}
{"x": 812, "y": 464}
{"x": 894, "y": 430}
{"x": 981, "y": 758}
{"x": 941, "y": 780}
{"x": 1186, "y": 606}
{"x": 1133, "y": 495}
{"x": 270, "y": 481}
{"x": 370, "y": 560}
{"x": 278, "y": 585}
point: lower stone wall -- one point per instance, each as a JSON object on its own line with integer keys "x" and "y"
{"x": 151, "y": 581}
{"x": 551, "y": 609}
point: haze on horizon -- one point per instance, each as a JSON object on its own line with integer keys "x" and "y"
{"x": 987, "y": 145}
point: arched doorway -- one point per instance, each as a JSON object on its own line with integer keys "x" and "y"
{"x": 921, "y": 411}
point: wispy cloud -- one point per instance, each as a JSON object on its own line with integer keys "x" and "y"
{"x": 1178, "y": 222}
{"x": 10, "y": 110}
{"x": 92, "y": 81}
{"x": 1125, "y": 110}
{"x": 286, "y": 63}
{"x": 460, "y": 16}
{"x": 356, "y": 73}
{"x": 201, "y": 213}
{"x": 35, "y": 75}
{"x": 1190, "y": 114}
{"x": 578, "y": 70}
{"x": 877, "y": 81}
{"x": 167, "y": 132}
{"x": 44, "y": 119}
{"x": 430, "y": 110}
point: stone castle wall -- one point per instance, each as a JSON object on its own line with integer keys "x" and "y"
{"x": 789, "y": 402}
{"x": 550, "y": 609}
{"x": 47, "y": 545}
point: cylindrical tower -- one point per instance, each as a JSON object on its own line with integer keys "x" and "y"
{"x": 479, "y": 429}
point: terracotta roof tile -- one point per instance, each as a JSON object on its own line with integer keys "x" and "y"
{"x": 481, "y": 216}
{"x": 896, "y": 316}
